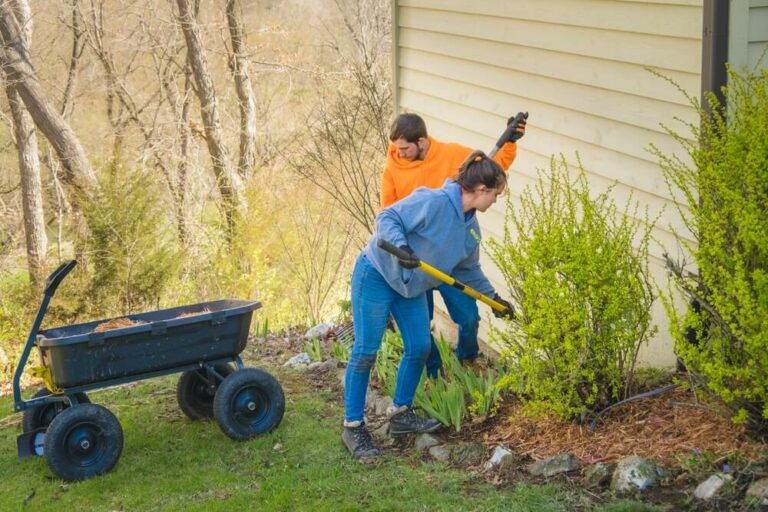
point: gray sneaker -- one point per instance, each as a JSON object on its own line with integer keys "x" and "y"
{"x": 359, "y": 442}
{"x": 407, "y": 422}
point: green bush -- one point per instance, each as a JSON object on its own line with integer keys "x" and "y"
{"x": 577, "y": 269}
{"x": 17, "y": 307}
{"x": 724, "y": 203}
{"x": 132, "y": 252}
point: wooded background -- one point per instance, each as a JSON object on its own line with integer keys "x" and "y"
{"x": 188, "y": 150}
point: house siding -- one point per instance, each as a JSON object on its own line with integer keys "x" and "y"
{"x": 748, "y": 34}
{"x": 581, "y": 70}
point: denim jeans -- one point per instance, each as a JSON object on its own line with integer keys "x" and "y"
{"x": 372, "y": 301}
{"x": 463, "y": 311}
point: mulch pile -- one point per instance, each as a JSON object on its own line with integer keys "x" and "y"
{"x": 664, "y": 428}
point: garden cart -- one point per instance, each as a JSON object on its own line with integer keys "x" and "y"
{"x": 203, "y": 341}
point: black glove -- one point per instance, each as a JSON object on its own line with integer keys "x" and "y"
{"x": 411, "y": 261}
{"x": 519, "y": 132}
{"x": 508, "y": 312}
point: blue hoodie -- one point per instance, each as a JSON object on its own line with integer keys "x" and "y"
{"x": 433, "y": 224}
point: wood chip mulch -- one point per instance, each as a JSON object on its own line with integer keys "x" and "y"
{"x": 665, "y": 428}
{"x": 117, "y": 323}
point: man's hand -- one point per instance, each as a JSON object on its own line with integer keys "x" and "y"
{"x": 519, "y": 131}
{"x": 411, "y": 261}
{"x": 508, "y": 312}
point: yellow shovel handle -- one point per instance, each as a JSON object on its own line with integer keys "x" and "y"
{"x": 441, "y": 276}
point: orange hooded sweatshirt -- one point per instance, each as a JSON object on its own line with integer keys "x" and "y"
{"x": 401, "y": 176}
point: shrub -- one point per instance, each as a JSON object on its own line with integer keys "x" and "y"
{"x": 17, "y": 304}
{"x": 722, "y": 337}
{"x": 131, "y": 246}
{"x": 577, "y": 268}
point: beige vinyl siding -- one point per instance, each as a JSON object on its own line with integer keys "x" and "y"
{"x": 581, "y": 70}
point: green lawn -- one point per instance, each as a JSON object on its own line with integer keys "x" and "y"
{"x": 172, "y": 463}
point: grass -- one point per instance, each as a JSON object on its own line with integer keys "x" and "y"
{"x": 172, "y": 463}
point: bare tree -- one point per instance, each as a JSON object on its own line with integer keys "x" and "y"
{"x": 18, "y": 71}
{"x": 228, "y": 182}
{"x": 343, "y": 151}
{"x": 29, "y": 162}
{"x": 239, "y": 65}
{"x": 78, "y": 45}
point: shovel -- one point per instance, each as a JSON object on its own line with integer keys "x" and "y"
{"x": 441, "y": 276}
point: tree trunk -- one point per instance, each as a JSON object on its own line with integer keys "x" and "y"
{"x": 78, "y": 45}
{"x": 29, "y": 164}
{"x": 240, "y": 70}
{"x": 229, "y": 183}
{"x": 17, "y": 67}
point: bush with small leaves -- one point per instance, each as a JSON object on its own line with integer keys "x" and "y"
{"x": 577, "y": 269}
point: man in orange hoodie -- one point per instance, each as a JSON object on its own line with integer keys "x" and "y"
{"x": 417, "y": 160}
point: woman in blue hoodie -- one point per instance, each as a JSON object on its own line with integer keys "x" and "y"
{"x": 440, "y": 226}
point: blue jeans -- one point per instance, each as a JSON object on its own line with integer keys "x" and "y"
{"x": 463, "y": 311}
{"x": 372, "y": 301}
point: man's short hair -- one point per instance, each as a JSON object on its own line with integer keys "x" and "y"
{"x": 410, "y": 127}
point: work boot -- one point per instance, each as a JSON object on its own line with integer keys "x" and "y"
{"x": 358, "y": 441}
{"x": 403, "y": 420}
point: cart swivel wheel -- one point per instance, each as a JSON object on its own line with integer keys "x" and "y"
{"x": 195, "y": 393}
{"x": 248, "y": 403}
{"x": 83, "y": 441}
{"x": 42, "y": 416}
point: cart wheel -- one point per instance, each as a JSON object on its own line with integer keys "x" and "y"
{"x": 248, "y": 403}
{"x": 82, "y": 442}
{"x": 41, "y": 417}
{"x": 195, "y": 395}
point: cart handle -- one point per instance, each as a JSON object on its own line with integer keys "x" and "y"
{"x": 441, "y": 276}
{"x": 511, "y": 128}
{"x": 54, "y": 280}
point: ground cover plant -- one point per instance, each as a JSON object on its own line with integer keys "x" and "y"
{"x": 723, "y": 198}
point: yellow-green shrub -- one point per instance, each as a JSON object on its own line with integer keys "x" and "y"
{"x": 725, "y": 205}
{"x": 577, "y": 269}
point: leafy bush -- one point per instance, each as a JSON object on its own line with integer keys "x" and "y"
{"x": 132, "y": 251}
{"x": 577, "y": 268}
{"x": 16, "y": 315}
{"x": 722, "y": 337}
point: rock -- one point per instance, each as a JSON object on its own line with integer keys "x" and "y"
{"x": 500, "y": 456}
{"x": 709, "y": 488}
{"x": 320, "y": 366}
{"x": 342, "y": 376}
{"x": 382, "y": 432}
{"x": 758, "y": 491}
{"x": 635, "y": 473}
{"x": 562, "y": 463}
{"x": 425, "y": 441}
{"x": 298, "y": 359}
{"x": 441, "y": 453}
{"x": 598, "y": 475}
{"x": 382, "y": 403}
{"x": 320, "y": 330}
{"x": 468, "y": 454}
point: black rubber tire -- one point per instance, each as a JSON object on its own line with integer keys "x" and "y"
{"x": 41, "y": 417}
{"x": 195, "y": 396}
{"x": 83, "y": 441}
{"x": 248, "y": 403}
